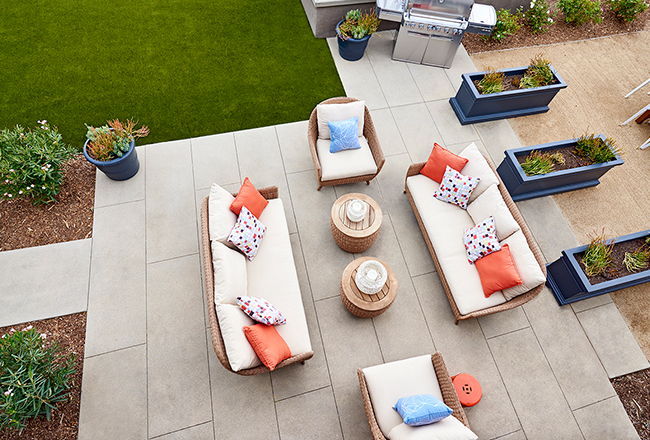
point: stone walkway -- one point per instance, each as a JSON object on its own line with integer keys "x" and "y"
{"x": 150, "y": 370}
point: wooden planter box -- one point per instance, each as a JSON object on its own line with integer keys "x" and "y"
{"x": 523, "y": 187}
{"x": 472, "y": 107}
{"x": 569, "y": 284}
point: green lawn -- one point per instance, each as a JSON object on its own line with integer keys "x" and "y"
{"x": 185, "y": 68}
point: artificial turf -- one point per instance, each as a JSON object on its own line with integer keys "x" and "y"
{"x": 185, "y": 68}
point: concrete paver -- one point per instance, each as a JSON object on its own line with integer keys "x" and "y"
{"x": 605, "y": 420}
{"x": 111, "y": 192}
{"x": 317, "y": 407}
{"x": 213, "y": 160}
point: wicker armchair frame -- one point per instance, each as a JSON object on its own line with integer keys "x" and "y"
{"x": 413, "y": 170}
{"x": 449, "y": 396}
{"x": 268, "y": 193}
{"x": 368, "y": 131}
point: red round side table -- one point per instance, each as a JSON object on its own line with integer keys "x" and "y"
{"x": 467, "y": 388}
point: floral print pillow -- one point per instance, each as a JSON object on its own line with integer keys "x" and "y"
{"x": 481, "y": 240}
{"x": 247, "y": 233}
{"x": 260, "y": 310}
{"x": 456, "y": 187}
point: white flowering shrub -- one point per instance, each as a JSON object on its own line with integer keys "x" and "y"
{"x": 33, "y": 377}
{"x": 538, "y": 16}
{"x": 507, "y": 24}
{"x": 30, "y": 163}
{"x": 628, "y": 10}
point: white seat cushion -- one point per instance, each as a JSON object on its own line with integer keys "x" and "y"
{"x": 239, "y": 351}
{"x": 525, "y": 263}
{"x": 445, "y": 224}
{"x": 229, "y": 268}
{"x": 387, "y": 383}
{"x": 345, "y": 164}
{"x": 272, "y": 276}
{"x": 478, "y": 167}
{"x": 339, "y": 112}
{"x": 490, "y": 203}
{"x": 449, "y": 428}
{"x": 220, "y": 218}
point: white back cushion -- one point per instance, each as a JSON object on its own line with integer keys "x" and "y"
{"x": 490, "y": 203}
{"x": 347, "y": 163}
{"x": 525, "y": 263}
{"x": 338, "y": 112}
{"x": 231, "y": 322}
{"x": 478, "y": 167}
{"x": 229, "y": 268}
{"x": 220, "y": 218}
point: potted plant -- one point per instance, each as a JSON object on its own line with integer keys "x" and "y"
{"x": 111, "y": 148}
{"x": 353, "y": 33}
{"x": 507, "y": 93}
{"x": 555, "y": 167}
{"x": 600, "y": 267}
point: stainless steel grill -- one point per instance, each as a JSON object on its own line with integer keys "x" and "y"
{"x": 431, "y": 30}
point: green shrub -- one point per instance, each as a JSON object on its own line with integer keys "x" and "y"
{"x": 33, "y": 378}
{"x": 581, "y": 11}
{"x": 598, "y": 256}
{"x": 541, "y": 163}
{"x": 538, "y": 16}
{"x": 595, "y": 149}
{"x": 628, "y": 10}
{"x": 30, "y": 163}
{"x": 358, "y": 24}
{"x": 492, "y": 82}
{"x": 637, "y": 260}
{"x": 539, "y": 73}
{"x": 507, "y": 24}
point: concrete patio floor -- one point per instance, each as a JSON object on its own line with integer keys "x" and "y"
{"x": 150, "y": 370}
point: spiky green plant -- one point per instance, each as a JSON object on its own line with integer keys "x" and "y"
{"x": 598, "y": 256}
{"x": 637, "y": 260}
{"x": 358, "y": 24}
{"x": 595, "y": 149}
{"x": 492, "y": 82}
{"x": 539, "y": 73}
{"x": 541, "y": 163}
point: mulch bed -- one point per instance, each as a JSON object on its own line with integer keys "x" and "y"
{"x": 634, "y": 392}
{"x": 571, "y": 160}
{"x": 23, "y": 224}
{"x": 558, "y": 32}
{"x": 69, "y": 333}
{"x": 618, "y": 269}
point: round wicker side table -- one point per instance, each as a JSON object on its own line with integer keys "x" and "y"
{"x": 361, "y": 304}
{"x": 355, "y": 237}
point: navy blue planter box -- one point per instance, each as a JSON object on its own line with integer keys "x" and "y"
{"x": 121, "y": 168}
{"x": 351, "y": 49}
{"x": 569, "y": 284}
{"x": 472, "y": 107}
{"x": 523, "y": 187}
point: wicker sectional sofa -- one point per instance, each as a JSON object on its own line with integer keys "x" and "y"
{"x": 442, "y": 225}
{"x": 271, "y": 275}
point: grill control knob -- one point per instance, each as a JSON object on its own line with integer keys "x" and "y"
{"x": 430, "y": 27}
{"x": 460, "y": 32}
{"x": 421, "y": 26}
{"x": 455, "y": 31}
{"x": 438, "y": 28}
{"x": 446, "y": 30}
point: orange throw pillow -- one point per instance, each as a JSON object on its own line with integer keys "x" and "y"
{"x": 440, "y": 157}
{"x": 497, "y": 271}
{"x": 249, "y": 197}
{"x": 268, "y": 344}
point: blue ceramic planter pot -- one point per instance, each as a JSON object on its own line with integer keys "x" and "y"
{"x": 523, "y": 187}
{"x": 121, "y": 168}
{"x": 569, "y": 284}
{"x": 472, "y": 107}
{"x": 351, "y": 49}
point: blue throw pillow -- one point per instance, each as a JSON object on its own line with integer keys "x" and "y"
{"x": 421, "y": 409}
{"x": 344, "y": 135}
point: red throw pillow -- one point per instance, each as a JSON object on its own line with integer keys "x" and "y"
{"x": 251, "y": 198}
{"x": 440, "y": 157}
{"x": 497, "y": 271}
{"x": 268, "y": 344}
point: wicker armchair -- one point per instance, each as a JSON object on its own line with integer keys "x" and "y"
{"x": 368, "y": 132}
{"x": 446, "y": 387}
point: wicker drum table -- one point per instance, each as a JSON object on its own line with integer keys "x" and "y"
{"x": 361, "y": 304}
{"x": 352, "y": 236}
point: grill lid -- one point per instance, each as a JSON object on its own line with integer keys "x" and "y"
{"x": 482, "y": 19}
{"x": 451, "y": 8}
{"x": 390, "y": 10}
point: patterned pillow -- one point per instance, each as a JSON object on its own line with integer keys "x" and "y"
{"x": 344, "y": 135}
{"x": 422, "y": 409}
{"x": 247, "y": 233}
{"x": 481, "y": 240}
{"x": 260, "y": 310}
{"x": 456, "y": 188}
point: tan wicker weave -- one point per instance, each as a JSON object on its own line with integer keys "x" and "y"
{"x": 355, "y": 237}
{"x": 270, "y": 192}
{"x": 368, "y": 132}
{"x": 449, "y": 396}
{"x": 413, "y": 170}
{"x": 361, "y": 304}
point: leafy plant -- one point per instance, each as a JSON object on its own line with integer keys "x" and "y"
{"x": 541, "y": 163}
{"x": 507, "y": 24}
{"x": 357, "y": 24}
{"x": 30, "y": 163}
{"x": 539, "y": 73}
{"x": 538, "y": 16}
{"x": 598, "y": 256}
{"x": 111, "y": 141}
{"x": 492, "y": 81}
{"x": 628, "y": 10}
{"x": 33, "y": 377}
{"x": 581, "y": 11}
{"x": 637, "y": 260}
{"x": 597, "y": 150}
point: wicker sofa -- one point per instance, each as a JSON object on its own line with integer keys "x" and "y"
{"x": 271, "y": 275}
{"x": 442, "y": 225}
